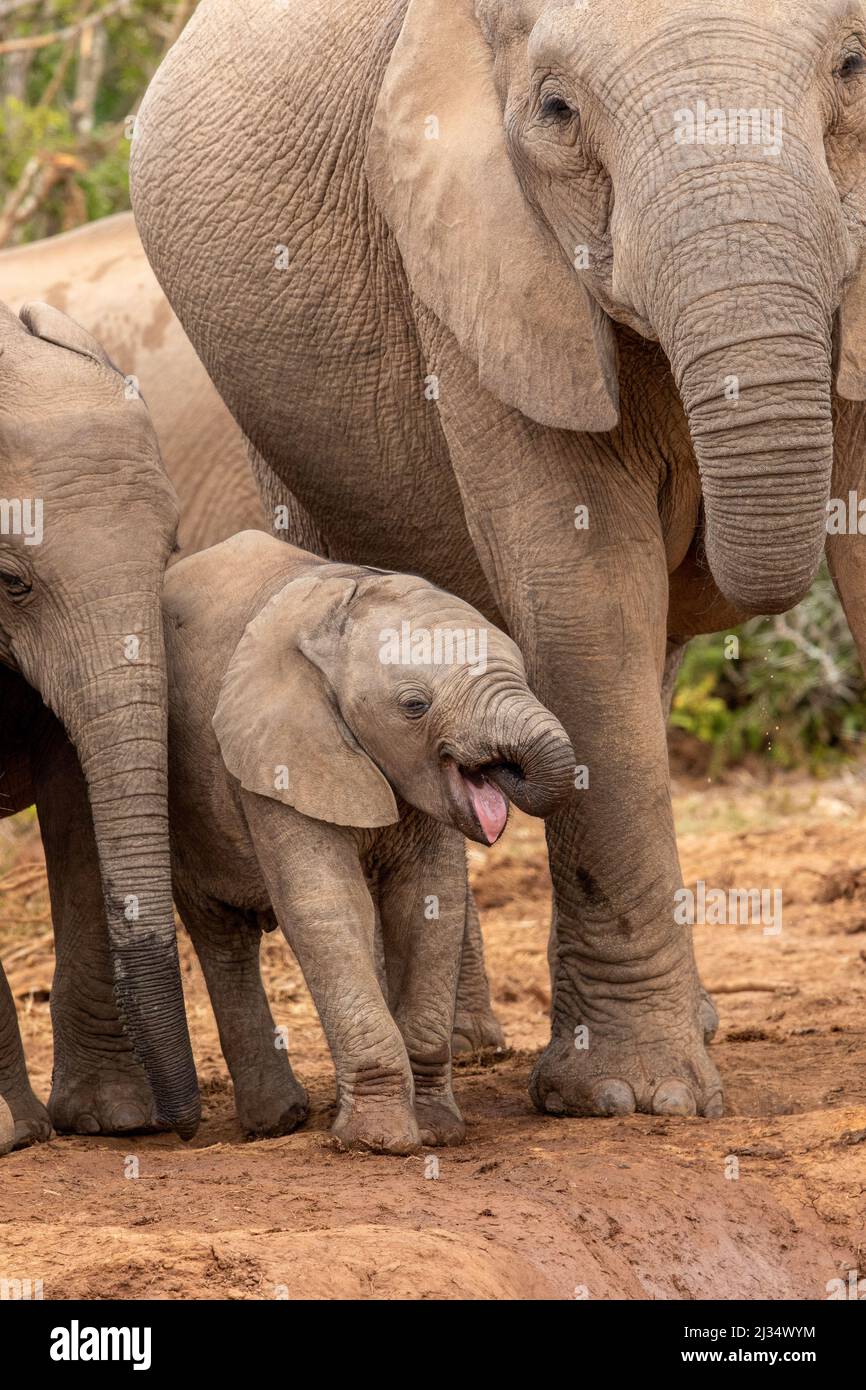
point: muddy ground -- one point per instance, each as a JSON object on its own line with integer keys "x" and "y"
{"x": 531, "y": 1207}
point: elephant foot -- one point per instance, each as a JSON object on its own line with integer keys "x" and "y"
{"x": 99, "y": 1102}
{"x": 476, "y": 1034}
{"x": 267, "y": 1112}
{"x": 23, "y": 1121}
{"x": 647, "y": 1069}
{"x": 440, "y": 1123}
{"x": 708, "y": 1015}
{"x": 378, "y": 1126}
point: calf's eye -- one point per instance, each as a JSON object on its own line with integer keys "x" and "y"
{"x": 554, "y": 108}
{"x": 851, "y": 66}
{"x": 15, "y": 585}
{"x": 415, "y": 707}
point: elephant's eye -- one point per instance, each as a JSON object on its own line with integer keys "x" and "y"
{"x": 15, "y": 585}
{"x": 555, "y": 108}
{"x": 414, "y": 706}
{"x": 852, "y": 65}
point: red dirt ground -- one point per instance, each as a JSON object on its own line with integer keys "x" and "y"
{"x": 531, "y": 1207}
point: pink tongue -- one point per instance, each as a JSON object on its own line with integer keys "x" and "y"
{"x": 490, "y": 807}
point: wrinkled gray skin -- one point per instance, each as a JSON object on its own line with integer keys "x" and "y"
{"x": 83, "y": 730}
{"x": 310, "y": 777}
{"x": 609, "y": 387}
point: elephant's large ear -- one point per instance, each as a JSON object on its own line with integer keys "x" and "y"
{"x": 473, "y": 249}
{"x": 53, "y": 326}
{"x": 278, "y": 721}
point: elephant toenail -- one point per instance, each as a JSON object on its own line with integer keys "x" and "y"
{"x": 709, "y": 1018}
{"x": 613, "y": 1098}
{"x": 715, "y": 1106}
{"x": 87, "y": 1124}
{"x": 554, "y": 1104}
{"x": 126, "y": 1117}
{"x": 7, "y": 1128}
{"x": 674, "y": 1098}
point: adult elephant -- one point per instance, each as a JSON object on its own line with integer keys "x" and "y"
{"x": 87, "y": 522}
{"x": 489, "y": 287}
{"x": 99, "y": 276}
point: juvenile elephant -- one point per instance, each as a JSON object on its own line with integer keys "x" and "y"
{"x": 538, "y": 298}
{"x": 334, "y": 733}
{"x": 87, "y": 521}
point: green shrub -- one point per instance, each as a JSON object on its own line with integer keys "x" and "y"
{"x": 74, "y": 130}
{"x": 794, "y": 694}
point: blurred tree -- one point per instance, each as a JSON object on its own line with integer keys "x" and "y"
{"x": 790, "y": 689}
{"x": 71, "y": 74}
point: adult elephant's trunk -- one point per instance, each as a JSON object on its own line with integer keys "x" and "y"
{"x": 114, "y": 710}
{"x": 758, "y": 401}
{"x": 742, "y": 305}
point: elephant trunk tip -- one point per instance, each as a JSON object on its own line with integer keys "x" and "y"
{"x": 185, "y": 1124}
{"x": 762, "y": 590}
{"x": 537, "y": 785}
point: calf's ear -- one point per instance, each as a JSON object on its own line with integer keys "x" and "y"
{"x": 278, "y": 720}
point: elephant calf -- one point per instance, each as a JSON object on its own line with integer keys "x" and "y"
{"x": 334, "y": 732}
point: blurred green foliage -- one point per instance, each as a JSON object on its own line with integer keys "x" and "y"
{"x": 794, "y": 693}
{"x": 64, "y": 146}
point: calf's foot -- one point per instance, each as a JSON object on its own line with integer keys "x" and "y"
{"x": 377, "y": 1126}
{"x": 267, "y": 1109}
{"x": 476, "y": 1033}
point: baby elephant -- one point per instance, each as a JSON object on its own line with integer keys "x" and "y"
{"x": 334, "y": 732}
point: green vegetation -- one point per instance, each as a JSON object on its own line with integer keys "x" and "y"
{"x": 795, "y": 693}
{"x": 73, "y": 72}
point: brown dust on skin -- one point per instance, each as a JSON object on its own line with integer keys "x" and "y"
{"x": 530, "y": 1207}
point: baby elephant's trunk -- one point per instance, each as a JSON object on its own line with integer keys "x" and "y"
{"x": 533, "y": 761}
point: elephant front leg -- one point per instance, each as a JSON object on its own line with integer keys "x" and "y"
{"x": 674, "y": 658}
{"x": 98, "y": 1086}
{"x": 323, "y": 905}
{"x": 846, "y": 546}
{"x": 423, "y": 904}
{"x": 628, "y": 1027}
{"x": 567, "y": 528}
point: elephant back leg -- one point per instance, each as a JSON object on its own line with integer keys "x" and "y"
{"x": 268, "y": 1099}
{"x": 476, "y": 1027}
{"x": 30, "y": 1122}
